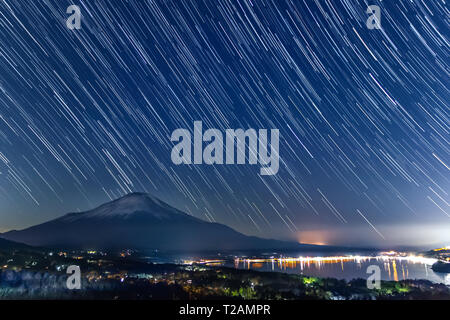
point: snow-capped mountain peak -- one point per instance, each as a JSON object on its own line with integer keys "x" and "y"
{"x": 128, "y": 205}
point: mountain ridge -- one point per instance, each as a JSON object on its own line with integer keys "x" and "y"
{"x": 141, "y": 221}
{"x": 8, "y": 245}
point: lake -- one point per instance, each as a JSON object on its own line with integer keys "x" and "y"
{"x": 343, "y": 266}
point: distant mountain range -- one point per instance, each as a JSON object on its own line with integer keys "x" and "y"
{"x": 11, "y": 245}
{"x": 141, "y": 221}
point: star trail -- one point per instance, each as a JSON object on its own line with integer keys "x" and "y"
{"x": 86, "y": 115}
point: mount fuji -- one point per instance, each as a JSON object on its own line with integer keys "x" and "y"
{"x": 141, "y": 221}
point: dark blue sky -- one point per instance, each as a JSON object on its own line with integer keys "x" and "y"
{"x": 86, "y": 115}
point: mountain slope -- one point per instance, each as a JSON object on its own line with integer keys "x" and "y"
{"x": 11, "y": 245}
{"x": 141, "y": 221}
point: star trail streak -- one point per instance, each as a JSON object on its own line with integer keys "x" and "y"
{"x": 86, "y": 115}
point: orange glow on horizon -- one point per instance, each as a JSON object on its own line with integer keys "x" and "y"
{"x": 315, "y": 237}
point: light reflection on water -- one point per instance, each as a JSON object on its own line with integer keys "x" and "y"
{"x": 348, "y": 267}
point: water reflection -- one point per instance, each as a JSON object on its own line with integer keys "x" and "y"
{"x": 349, "y": 267}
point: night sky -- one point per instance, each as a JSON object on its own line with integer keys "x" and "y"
{"x": 86, "y": 115}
